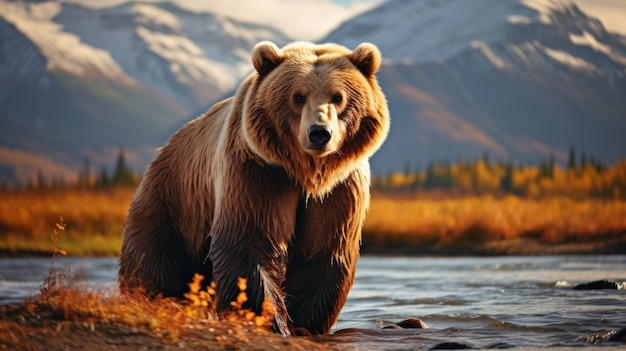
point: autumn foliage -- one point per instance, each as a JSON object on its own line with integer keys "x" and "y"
{"x": 481, "y": 177}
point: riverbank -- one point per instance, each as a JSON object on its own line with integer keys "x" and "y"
{"x": 103, "y": 322}
{"x": 400, "y": 224}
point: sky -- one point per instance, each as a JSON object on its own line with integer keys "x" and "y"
{"x": 312, "y": 19}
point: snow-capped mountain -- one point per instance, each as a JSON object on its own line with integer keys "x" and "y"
{"x": 510, "y": 33}
{"x": 192, "y": 57}
{"x": 80, "y": 82}
{"x": 518, "y": 79}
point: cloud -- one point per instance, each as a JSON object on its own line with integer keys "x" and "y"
{"x": 299, "y": 19}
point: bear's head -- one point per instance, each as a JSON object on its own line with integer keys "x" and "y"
{"x": 315, "y": 110}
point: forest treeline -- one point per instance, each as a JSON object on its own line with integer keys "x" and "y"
{"x": 581, "y": 178}
{"x": 88, "y": 178}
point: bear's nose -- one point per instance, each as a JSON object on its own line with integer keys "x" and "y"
{"x": 319, "y": 135}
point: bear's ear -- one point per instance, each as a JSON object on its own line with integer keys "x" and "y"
{"x": 366, "y": 57}
{"x": 266, "y": 56}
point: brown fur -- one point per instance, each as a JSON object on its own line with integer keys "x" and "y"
{"x": 243, "y": 191}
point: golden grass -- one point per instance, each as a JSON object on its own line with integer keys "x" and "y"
{"x": 433, "y": 223}
{"x": 94, "y": 220}
{"x": 466, "y": 222}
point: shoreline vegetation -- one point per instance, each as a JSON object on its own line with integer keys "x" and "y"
{"x": 422, "y": 222}
{"x": 475, "y": 207}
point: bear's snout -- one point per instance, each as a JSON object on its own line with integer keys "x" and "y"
{"x": 319, "y": 136}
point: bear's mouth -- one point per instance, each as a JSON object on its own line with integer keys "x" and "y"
{"x": 318, "y": 152}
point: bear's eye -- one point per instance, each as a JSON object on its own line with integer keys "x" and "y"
{"x": 299, "y": 99}
{"x": 337, "y": 99}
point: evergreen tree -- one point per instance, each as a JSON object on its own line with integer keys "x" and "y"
{"x": 122, "y": 175}
{"x": 598, "y": 165}
{"x": 416, "y": 176}
{"x": 547, "y": 167}
{"x": 506, "y": 183}
{"x": 439, "y": 175}
{"x": 551, "y": 165}
{"x": 583, "y": 159}
{"x": 431, "y": 176}
{"x": 41, "y": 180}
{"x": 407, "y": 168}
{"x": 486, "y": 160}
{"x": 103, "y": 180}
{"x": 84, "y": 176}
{"x": 571, "y": 163}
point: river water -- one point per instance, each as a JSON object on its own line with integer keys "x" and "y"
{"x": 482, "y": 302}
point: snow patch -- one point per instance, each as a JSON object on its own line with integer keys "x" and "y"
{"x": 484, "y": 49}
{"x": 152, "y": 16}
{"x": 571, "y": 61}
{"x": 187, "y": 61}
{"x": 516, "y": 19}
{"x": 587, "y": 39}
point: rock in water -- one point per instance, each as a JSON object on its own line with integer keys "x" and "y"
{"x": 597, "y": 285}
{"x": 409, "y": 323}
{"x": 619, "y": 336}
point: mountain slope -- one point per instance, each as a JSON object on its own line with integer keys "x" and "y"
{"x": 518, "y": 79}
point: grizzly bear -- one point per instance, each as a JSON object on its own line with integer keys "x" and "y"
{"x": 271, "y": 185}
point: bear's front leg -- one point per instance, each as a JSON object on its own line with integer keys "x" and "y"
{"x": 324, "y": 253}
{"x": 253, "y": 224}
{"x": 249, "y": 258}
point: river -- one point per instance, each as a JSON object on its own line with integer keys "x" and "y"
{"x": 482, "y": 302}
